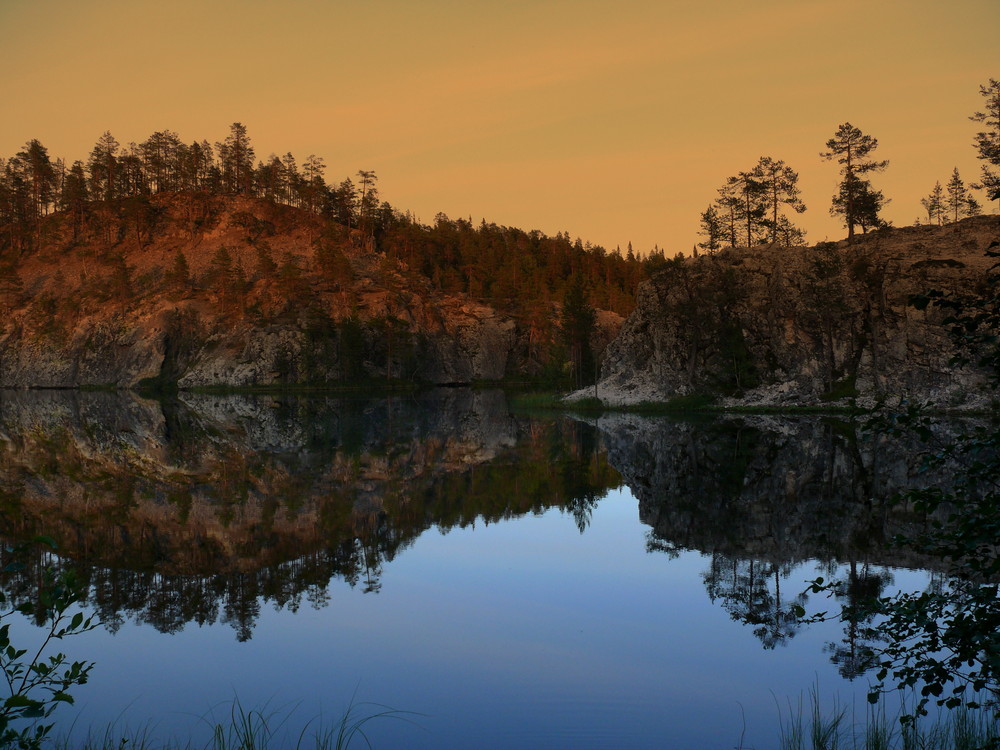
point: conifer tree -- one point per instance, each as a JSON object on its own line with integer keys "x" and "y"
{"x": 958, "y": 196}
{"x": 934, "y": 204}
{"x": 265, "y": 267}
{"x": 38, "y": 174}
{"x": 179, "y": 277}
{"x": 236, "y": 156}
{"x": 779, "y": 184}
{"x": 749, "y": 189}
{"x": 313, "y": 186}
{"x": 711, "y": 229}
{"x": 577, "y": 324}
{"x": 121, "y": 281}
{"x": 11, "y": 286}
{"x": 369, "y": 199}
{"x": 855, "y": 200}
{"x": 729, "y": 205}
{"x": 103, "y": 167}
{"x": 220, "y": 271}
{"x": 988, "y": 140}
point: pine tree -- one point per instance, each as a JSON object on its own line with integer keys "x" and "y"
{"x": 38, "y": 173}
{"x": 729, "y": 206}
{"x": 236, "y": 155}
{"x": 369, "y": 199}
{"x": 711, "y": 229}
{"x": 265, "y": 267}
{"x": 750, "y": 206}
{"x": 780, "y": 189}
{"x": 178, "y": 278}
{"x": 313, "y": 186}
{"x": 103, "y": 167}
{"x": 855, "y": 200}
{"x": 934, "y": 204}
{"x": 988, "y": 141}
{"x": 577, "y": 324}
{"x": 958, "y": 196}
{"x": 121, "y": 281}
{"x": 220, "y": 269}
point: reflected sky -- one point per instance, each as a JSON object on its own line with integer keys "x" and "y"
{"x": 444, "y": 555}
{"x": 523, "y": 633}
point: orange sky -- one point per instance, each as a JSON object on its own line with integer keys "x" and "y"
{"x": 615, "y": 121}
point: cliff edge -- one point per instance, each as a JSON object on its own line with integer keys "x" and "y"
{"x": 779, "y": 326}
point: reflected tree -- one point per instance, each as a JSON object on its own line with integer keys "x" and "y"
{"x": 269, "y": 500}
{"x": 750, "y": 591}
{"x": 856, "y": 654}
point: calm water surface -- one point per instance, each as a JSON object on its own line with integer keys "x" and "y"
{"x": 513, "y": 580}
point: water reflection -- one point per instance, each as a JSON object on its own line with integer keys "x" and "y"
{"x": 204, "y": 508}
{"x": 760, "y": 496}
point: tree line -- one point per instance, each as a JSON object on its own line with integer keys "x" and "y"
{"x": 753, "y": 207}
{"x": 120, "y": 199}
{"x": 495, "y": 263}
{"x": 33, "y": 184}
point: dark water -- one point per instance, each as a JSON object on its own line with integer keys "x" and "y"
{"x": 513, "y": 580}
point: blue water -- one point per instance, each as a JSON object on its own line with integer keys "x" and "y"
{"x": 523, "y": 633}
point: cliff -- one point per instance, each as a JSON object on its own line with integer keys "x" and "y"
{"x": 193, "y": 289}
{"x": 199, "y": 507}
{"x": 782, "y": 490}
{"x": 805, "y": 326}
{"x": 202, "y": 507}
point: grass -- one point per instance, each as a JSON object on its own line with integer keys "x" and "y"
{"x": 810, "y": 728}
{"x": 253, "y": 729}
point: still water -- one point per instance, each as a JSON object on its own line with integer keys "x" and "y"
{"x": 511, "y": 580}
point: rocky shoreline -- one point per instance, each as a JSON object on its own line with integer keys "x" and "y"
{"x": 830, "y": 325}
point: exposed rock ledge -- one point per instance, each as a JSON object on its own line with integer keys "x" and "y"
{"x": 771, "y": 326}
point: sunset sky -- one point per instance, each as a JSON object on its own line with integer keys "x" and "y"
{"x": 616, "y": 121}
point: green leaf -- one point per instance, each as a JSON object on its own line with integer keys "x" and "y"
{"x": 19, "y": 700}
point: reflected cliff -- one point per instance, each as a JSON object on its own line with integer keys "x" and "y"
{"x": 202, "y": 508}
{"x": 762, "y": 496}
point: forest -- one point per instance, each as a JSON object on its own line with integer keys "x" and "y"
{"x": 115, "y": 188}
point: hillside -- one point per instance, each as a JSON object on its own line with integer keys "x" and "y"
{"x": 771, "y": 326}
{"x": 194, "y": 288}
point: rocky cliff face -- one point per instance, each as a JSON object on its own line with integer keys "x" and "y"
{"x": 198, "y": 508}
{"x": 783, "y": 326}
{"x": 782, "y": 490}
{"x": 286, "y": 306}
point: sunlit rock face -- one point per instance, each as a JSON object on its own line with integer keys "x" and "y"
{"x": 781, "y": 490}
{"x": 198, "y": 508}
{"x": 230, "y": 483}
{"x": 378, "y": 319}
{"x": 782, "y": 326}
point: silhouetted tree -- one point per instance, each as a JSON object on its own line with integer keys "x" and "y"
{"x": 369, "y": 199}
{"x": 74, "y": 196}
{"x": 712, "y": 229}
{"x": 36, "y": 169}
{"x": 779, "y": 184}
{"x": 577, "y": 324}
{"x": 855, "y": 200}
{"x": 103, "y": 167}
{"x": 988, "y": 141}
{"x": 934, "y": 204}
{"x": 236, "y": 156}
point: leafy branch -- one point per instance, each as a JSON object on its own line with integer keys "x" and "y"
{"x": 36, "y": 686}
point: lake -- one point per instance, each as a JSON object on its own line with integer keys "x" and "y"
{"x": 509, "y": 579}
